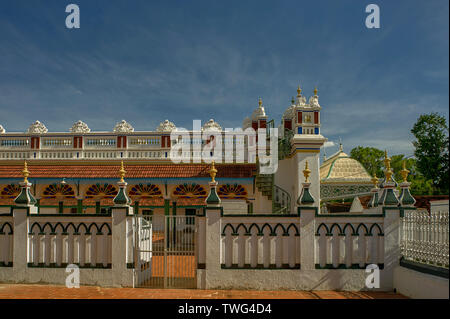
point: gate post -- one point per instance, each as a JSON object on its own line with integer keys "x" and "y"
{"x": 121, "y": 275}
{"x": 25, "y": 205}
{"x": 213, "y": 213}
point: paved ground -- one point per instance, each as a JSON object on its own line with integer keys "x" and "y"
{"x": 89, "y": 292}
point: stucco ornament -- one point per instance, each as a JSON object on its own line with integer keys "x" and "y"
{"x": 246, "y": 123}
{"x": 37, "y": 128}
{"x": 289, "y": 113}
{"x": 166, "y": 126}
{"x": 80, "y": 127}
{"x": 314, "y": 100}
{"x": 123, "y": 127}
{"x": 2, "y": 130}
{"x": 212, "y": 125}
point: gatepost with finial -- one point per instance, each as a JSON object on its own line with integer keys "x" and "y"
{"x": 307, "y": 209}
{"x": 120, "y": 213}
{"x": 24, "y": 205}
{"x": 210, "y": 230}
{"x": 405, "y": 198}
{"x": 388, "y": 197}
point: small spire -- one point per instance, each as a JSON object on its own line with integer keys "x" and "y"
{"x": 213, "y": 172}
{"x": 404, "y": 172}
{"x": 299, "y": 91}
{"x": 260, "y": 102}
{"x": 306, "y": 172}
{"x": 375, "y": 180}
{"x": 293, "y": 101}
{"x": 122, "y": 172}
{"x": 387, "y": 164}
{"x": 25, "y": 172}
{"x": 341, "y": 147}
{"x": 315, "y": 91}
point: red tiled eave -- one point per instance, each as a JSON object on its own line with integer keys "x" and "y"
{"x": 133, "y": 171}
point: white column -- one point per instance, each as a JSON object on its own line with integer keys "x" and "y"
{"x": 212, "y": 236}
{"x": 392, "y": 251}
{"x": 20, "y": 243}
{"x": 307, "y": 238}
{"x": 121, "y": 276}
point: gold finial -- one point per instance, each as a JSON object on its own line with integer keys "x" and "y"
{"x": 213, "y": 172}
{"x": 260, "y": 102}
{"x": 122, "y": 172}
{"x": 299, "y": 91}
{"x": 387, "y": 164}
{"x": 375, "y": 181}
{"x": 404, "y": 172}
{"x": 25, "y": 172}
{"x": 315, "y": 91}
{"x": 306, "y": 172}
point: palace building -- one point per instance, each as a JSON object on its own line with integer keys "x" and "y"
{"x": 77, "y": 171}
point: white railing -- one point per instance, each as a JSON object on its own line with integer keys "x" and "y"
{"x": 260, "y": 242}
{"x": 6, "y": 240}
{"x": 425, "y": 237}
{"x": 349, "y": 242}
{"x": 59, "y": 241}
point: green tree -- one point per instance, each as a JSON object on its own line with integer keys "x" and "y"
{"x": 371, "y": 158}
{"x": 431, "y": 150}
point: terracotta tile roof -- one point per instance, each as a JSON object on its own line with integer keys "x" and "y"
{"x": 133, "y": 171}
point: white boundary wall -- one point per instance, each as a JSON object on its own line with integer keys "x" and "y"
{"x": 418, "y": 285}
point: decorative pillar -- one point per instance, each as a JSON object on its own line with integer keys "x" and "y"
{"x": 24, "y": 205}
{"x": 121, "y": 275}
{"x": 306, "y": 211}
{"x": 213, "y": 232}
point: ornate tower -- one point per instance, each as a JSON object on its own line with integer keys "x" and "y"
{"x": 303, "y": 119}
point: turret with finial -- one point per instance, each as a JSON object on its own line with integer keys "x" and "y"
{"x": 299, "y": 91}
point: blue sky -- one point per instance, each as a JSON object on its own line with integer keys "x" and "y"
{"x": 146, "y": 61}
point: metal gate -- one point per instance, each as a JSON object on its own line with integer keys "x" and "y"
{"x": 165, "y": 251}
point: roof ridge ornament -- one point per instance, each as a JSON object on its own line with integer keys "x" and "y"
{"x": 211, "y": 125}
{"x": 166, "y": 126}
{"x": 2, "y": 130}
{"x": 123, "y": 127}
{"x": 37, "y": 128}
{"x": 80, "y": 127}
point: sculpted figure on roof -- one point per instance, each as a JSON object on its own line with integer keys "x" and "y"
{"x": 123, "y": 127}
{"x": 166, "y": 126}
{"x": 37, "y": 128}
{"x": 2, "y": 130}
{"x": 80, "y": 127}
